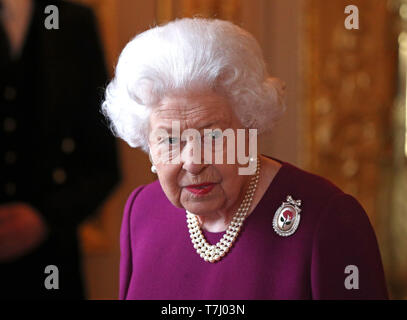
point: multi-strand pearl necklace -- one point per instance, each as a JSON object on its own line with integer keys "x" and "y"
{"x": 213, "y": 253}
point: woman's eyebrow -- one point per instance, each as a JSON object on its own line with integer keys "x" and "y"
{"x": 168, "y": 127}
{"x": 210, "y": 124}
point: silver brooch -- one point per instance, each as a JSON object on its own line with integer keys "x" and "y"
{"x": 287, "y": 217}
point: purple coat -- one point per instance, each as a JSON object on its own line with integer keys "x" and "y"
{"x": 158, "y": 260}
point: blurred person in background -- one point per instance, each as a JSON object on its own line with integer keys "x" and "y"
{"x": 58, "y": 161}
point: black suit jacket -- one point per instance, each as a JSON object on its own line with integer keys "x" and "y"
{"x": 69, "y": 163}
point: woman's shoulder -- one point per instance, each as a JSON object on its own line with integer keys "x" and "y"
{"x": 145, "y": 203}
{"x": 305, "y": 181}
{"x": 151, "y": 188}
{"x": 145, "y": 193}
{"x": 321, "y": 199}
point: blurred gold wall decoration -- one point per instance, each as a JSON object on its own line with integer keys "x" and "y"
{"x": 397, "y": 235}
{"x": 350, "y": 84}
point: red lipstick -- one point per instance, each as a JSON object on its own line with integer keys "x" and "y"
{"x": 200, "y": 189}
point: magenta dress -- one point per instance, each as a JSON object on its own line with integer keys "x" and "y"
{"x": 158, "y": 260}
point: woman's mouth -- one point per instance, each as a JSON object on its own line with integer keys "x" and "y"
{"x": 200, "y": 189}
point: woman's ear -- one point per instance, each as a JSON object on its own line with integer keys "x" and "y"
{"x": 153, "y": 167}
{"x": 149, "y": 154}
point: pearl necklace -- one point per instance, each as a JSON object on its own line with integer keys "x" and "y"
{"x": 213, "y": 253}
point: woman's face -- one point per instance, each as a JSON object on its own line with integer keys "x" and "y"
{"x": 179, "y": 180}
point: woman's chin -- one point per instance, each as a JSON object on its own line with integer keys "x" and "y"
{"x": 202, "y": 209}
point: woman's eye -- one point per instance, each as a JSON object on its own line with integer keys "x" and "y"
{"x": 169, "y": 140}
{"x": 172, "y": 140}
{"x": 216, "y": 134}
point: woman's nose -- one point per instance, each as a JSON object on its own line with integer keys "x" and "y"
{"x": 192, "y": 159}
{"x": 193, "y": 168}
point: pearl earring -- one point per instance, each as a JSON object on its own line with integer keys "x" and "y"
{"x": 153, "y": 168}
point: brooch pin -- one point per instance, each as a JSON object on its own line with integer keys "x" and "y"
{"x": 287, "y": 217}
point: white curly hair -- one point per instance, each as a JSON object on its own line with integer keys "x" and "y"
{"x": 186, "y": 54}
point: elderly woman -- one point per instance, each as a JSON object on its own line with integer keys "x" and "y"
{"x": 218, "y": 224}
